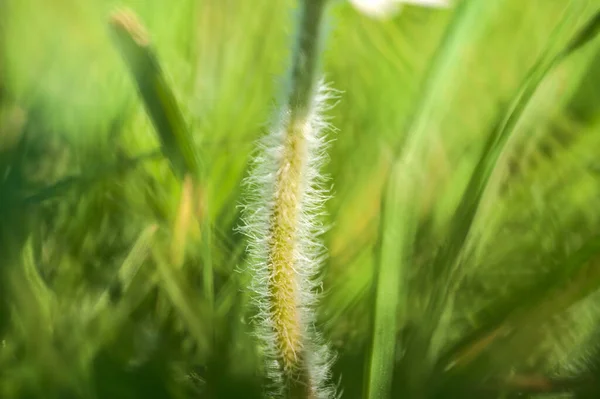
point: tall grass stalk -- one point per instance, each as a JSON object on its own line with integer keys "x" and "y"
{"x": 176, "y": 139}
{"x": 286, "y": 194}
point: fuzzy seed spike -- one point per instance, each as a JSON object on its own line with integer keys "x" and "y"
{"x": 282, "y": 245}
{"x": 285, "y": 195}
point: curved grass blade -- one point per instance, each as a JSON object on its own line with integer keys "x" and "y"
{"x": 588, "y": 33}
{"x": 446, "y": 264}
{"x": 487, "y": 335}
{"x": 578, "y": 278}
{"x": 428, "y": 338}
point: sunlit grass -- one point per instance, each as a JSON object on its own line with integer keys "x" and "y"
{"x": 461, "y": 249}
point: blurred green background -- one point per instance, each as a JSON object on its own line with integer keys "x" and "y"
{"x": 93, "y": 306}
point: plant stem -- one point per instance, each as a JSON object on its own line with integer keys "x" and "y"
{"x": 283, "y": 232}
{"x": 305, "y": 62}
{"x": 284, "y": 287}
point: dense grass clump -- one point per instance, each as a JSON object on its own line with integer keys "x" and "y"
{"x": 168, "y": 226}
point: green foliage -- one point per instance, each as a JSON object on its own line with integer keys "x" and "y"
{"x": 462, "y": 258}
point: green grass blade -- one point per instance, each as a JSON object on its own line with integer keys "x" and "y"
{"x": 446, "y": 265}
{"x": 429, "y": 336}
{"x": 129, "y": 268}
{"x": 184, "y": 300}
{"x": 83, "y": 181}
{"x": 390, "y": 279}
{"x": 161, "y": 105}
{"x": 588, "y": 33}
{"x": 110, "y": 317}
{"x": 571, "y": 283}
{"x": 399, "y": 222}
{"x": 446, "y": 262}
{"x": 159, "y": 100}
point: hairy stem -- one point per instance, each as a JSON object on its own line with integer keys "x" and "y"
{"x": 282, "y": 223}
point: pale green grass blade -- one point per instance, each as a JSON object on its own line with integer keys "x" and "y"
{"x": 127, "y": 273}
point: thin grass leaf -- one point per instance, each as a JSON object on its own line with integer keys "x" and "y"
{"x": 181, "y": 225}
{"x": 467, "y": 210}
{"x": 401, "y": 222}
{"x": 200, "y": 212}
{"x": 446, "y": 261}
{"x": 129, "y": 268}
{"x": 124, "y": 292}
{"x": 390, "y": 289}
{"x": 525, "y": 313}
{"x": 446, "y": 265}
{"x": 426, "y": 341}
{"x": 45, "y": 300}
{"x": 83, "y": 181}
{"x": 180, "y": 293}
{"x": 161, "y": 105}
{"x": 587, "y": 34}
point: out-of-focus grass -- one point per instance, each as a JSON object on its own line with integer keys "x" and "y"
{"x": 94, "y": 305}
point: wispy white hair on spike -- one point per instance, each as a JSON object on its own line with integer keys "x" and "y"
{"x": 286, "y": 192}
{"x": 282, "y": 220}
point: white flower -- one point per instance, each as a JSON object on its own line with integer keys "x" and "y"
{"x": 386, "y": 8}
